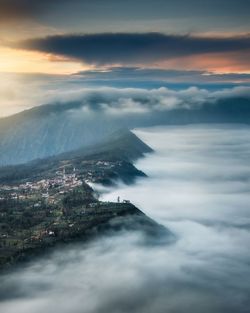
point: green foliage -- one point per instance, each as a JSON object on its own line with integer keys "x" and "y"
{"x": 77, "y": 197}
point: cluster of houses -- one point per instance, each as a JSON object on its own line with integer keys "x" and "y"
{"x": 62, "y": 182}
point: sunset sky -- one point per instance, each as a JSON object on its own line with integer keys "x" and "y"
{"x": 62, "y": 37}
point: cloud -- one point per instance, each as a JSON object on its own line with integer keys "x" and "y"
{"x": 198, "y": 186}
{"x": 16, "y": 95}
{"x": 140, "y": 76}
{"x": 133, "y": 48}
{"x": 83, "y": 93}
{"x": 15, "y": 89}
{"x": 109, "y": 100}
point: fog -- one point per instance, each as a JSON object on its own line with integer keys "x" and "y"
{"x": 198, "y": 187}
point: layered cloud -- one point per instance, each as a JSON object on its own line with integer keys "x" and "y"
{"x": 134, "y": 100}
{"x": 133, "y": 48}
{"x": 83, "y": 92}
{"x": 145, "y": 76}
{"x": 145, "y": 33}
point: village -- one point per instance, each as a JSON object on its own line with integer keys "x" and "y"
{"x": 38, "y": 213}
{"x": 64, "y": 180}
{"x": 45, "y": 188}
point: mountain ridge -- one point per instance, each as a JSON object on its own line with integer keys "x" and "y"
{"x": 123, "y": 146}
{"x": 56, "y": 128}
{"x": 50, "y": 201}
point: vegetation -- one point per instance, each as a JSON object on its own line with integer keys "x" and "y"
{"x": 49, "y": 201}
{"x": 124, "y": 147}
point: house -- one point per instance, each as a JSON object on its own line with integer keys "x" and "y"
{"x": 126, "y": 201}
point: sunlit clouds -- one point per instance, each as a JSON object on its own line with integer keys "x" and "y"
{"x": 198, "y": 36}
{"x": 16, "y": 61}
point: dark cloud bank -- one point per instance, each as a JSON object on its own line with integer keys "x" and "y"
{"x": 205, "y": 270}
{"x": 133, "y": 48}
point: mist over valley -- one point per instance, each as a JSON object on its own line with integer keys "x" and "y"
{"x": 199, "y": 190}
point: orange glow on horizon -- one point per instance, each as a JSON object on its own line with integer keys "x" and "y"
{"x": 220, "y": 63}
{"x": 21, "y": 61}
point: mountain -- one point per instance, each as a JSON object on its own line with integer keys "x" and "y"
{"x": 52, "y": 129}
{"x": 112, "y": 159}
{"x": 46, "y": 131}
{"x": 122, "y": 144}
{"x": 31, "y": 236}
{"x": 50, "y": 201}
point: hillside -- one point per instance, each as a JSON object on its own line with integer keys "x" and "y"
{"x": 56, "y": 128}
{"x": 46, "y": 131}
{"x": 112, "y": 159}
{"x": 50, "y": 201}
{"x": 31, "y": 232}
{"x": 122, "y": 144}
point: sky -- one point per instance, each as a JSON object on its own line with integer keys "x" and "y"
{"x": 193, "y": 40}
{"x": 65, "y": 36}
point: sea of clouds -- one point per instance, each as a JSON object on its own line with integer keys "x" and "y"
{"x": 198, "y": 186}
